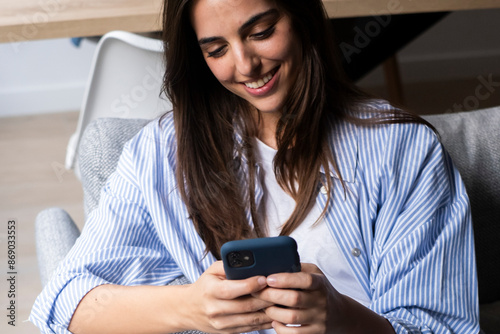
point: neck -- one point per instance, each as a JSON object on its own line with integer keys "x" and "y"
{"x": 267, "y": 123}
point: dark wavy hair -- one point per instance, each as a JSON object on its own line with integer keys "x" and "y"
{"x": 206, "y": 116}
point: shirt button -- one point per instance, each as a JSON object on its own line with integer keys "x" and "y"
{"x": 323, "y": 190}
{"x": 356, "y": 252}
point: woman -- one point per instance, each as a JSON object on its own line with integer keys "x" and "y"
{"x": 265, "y": 138}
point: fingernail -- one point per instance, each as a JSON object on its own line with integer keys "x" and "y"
{"x": 271, "y": 280}
{"x": 262, "y": 280}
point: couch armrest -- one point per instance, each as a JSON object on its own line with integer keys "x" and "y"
{"x": 55, "y": 234}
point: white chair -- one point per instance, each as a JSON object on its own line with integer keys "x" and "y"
{"x": 125, "y": 82}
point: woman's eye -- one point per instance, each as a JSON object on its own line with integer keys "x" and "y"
{"x": 217, "y": 53}
{"x": 264, "y": 34}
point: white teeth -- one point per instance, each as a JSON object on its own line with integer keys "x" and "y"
{"x": 259, "y": 83}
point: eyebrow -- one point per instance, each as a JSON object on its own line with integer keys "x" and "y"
{"x": 248, "y": 23}
{"x": 257, "y": 17}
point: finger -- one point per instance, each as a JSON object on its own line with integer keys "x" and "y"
{"x": 247, "y": 329}
{"x": 242, "y": 305}
{"x": 291, "y": 297}
{"x": 232, "y": 289}
{"x": 241, "y": 322}
{"x": 301, "y": 280}
{"x": 292, "y": 329}
{"x": 295, "y": 316}
{"x": 217, "y": 268}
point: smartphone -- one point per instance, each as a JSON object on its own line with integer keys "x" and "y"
{"x": 260, "y": 257}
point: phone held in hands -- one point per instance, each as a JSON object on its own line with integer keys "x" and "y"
{"x": 260, "y": 257}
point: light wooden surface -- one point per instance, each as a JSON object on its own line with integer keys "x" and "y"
{"x": 23, "y": 20}
{"x": 32, "y": 178}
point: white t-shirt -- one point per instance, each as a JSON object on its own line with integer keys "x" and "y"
{"x": 314, "y": 239}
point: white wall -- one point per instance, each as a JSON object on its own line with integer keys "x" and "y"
{"x": 43, "y": 76}
{"x": 50, "y": 75}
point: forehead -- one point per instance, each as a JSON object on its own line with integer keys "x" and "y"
{"x": 215, "y": 17}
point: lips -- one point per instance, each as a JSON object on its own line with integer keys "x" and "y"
{"x": 262, "y": 85}
{"x": 259, "y": 83}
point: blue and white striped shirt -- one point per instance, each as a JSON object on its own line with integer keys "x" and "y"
{"x": 403, "y": 224}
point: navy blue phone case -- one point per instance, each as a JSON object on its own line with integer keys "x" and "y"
{"x": 261, "y": 256}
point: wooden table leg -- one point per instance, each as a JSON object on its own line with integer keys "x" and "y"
{"x": 393, "y": 80}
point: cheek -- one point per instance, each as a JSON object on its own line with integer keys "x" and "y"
{"x": 283, "y": 48}
{"x": 221, "y": 70}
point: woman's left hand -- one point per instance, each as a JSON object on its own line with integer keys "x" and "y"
{"x": 306, "y": 298}
{"x": 308, "y": 301}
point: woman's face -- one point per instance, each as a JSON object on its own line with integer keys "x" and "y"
{"x": 250, "y": 47}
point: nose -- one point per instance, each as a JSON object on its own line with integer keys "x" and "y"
{"x": 246, "y": 60}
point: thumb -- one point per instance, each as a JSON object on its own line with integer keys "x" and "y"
{"x": 217, "y": 268}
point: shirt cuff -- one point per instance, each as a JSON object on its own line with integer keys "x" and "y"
{"x": 55, "y": 317}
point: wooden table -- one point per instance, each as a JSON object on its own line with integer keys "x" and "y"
{"x": 22, "y": 20}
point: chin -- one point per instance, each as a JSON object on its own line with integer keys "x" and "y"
{"x": 269, "y": 107}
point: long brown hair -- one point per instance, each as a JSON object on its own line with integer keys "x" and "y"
{"x": 215, "y": 171}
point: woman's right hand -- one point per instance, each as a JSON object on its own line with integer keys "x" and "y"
{"x": 214, "y": 304}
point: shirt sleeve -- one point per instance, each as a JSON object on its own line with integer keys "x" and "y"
{"x": 423, "y": 271}
{"x": 118, "y": 245}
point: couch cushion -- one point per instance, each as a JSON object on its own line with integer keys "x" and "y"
{"x": 473, "y": 141}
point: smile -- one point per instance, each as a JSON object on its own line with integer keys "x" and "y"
{"x": 261, "y": 82}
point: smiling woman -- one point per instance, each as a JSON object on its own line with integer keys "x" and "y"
{"x": 255, "y": 54}
{"x": 266, "y": 138}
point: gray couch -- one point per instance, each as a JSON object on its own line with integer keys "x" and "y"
{"x": 471, "y": 138}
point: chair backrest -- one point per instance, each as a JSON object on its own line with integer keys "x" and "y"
{"x": 473, "y": 141}
{"x": 125, "y": 82}
{"x": 99, "y": 151}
